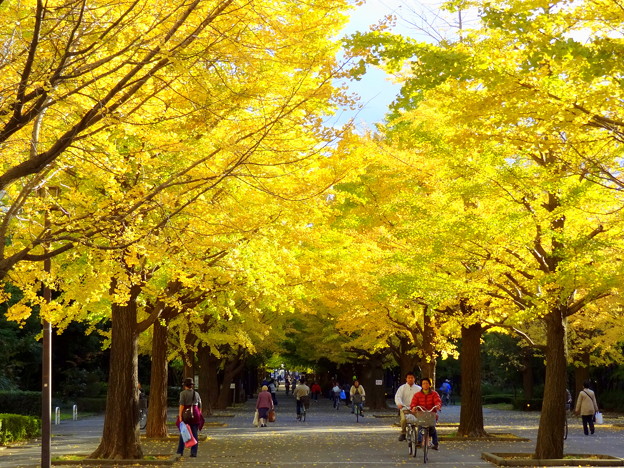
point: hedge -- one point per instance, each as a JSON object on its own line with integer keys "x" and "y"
{"x": 19, "y": 402}
{"x": 15, "y": 427}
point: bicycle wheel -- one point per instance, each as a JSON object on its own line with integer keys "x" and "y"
{"x": 142, "y": 418}
{"x": 357, "y": 413}
{"x": 413, "y": 440}
{"x": 565, "y": 427}
{"x": 425, "y": 444}
{"x": 303, "y": 414}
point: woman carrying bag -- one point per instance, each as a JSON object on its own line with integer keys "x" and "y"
{"x": 264, "y": 404}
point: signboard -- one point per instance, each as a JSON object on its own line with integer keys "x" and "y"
{"x": 232, "y": 386}
{"x": 378, "y": 382}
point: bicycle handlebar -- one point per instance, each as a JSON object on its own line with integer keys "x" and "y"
{"x": 420, "y": 408}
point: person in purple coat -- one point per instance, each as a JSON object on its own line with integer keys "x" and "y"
{"x": 263, "y": 405}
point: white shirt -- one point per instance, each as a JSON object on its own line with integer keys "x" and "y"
{"x": 405, "y": 393}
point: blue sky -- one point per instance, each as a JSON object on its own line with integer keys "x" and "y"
{"x": 420, "y": 19}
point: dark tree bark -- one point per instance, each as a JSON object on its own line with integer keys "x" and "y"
{"x": 550, "y": 433}
{"x": 231, "y": 369}
{"x": 581, "y": 374}
{"x": 471, "y": 413}
{"x": 208, "y": 383}
{"x": 527, "y": 375}
{"x": 375, "y": 394}
{"x": 120, "y": 438}
{"x": 157, "y": 414}
{"x": 429, "y": 351}
{"x": 209, "y": 378}
{"x": 406, "y": 359}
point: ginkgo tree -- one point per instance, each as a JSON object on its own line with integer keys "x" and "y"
{"x": 160, "y": 105}
{"x": 520, "y": 109}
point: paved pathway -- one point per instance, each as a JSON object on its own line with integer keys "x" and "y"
{"x": 328, "y": 438}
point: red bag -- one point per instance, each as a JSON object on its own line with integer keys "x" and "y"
{"x": 192, "y": 441}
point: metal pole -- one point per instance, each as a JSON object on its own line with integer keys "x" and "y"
{"x": 46, "y": 377}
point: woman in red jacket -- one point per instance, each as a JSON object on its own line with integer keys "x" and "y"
{"x": 428, "y": 399}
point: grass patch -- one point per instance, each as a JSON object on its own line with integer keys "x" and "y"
{"x": 526, "y": 459}
{"x": 500, "y": 406}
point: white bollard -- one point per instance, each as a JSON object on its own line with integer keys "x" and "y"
{"x": 57, "y": 415}
{"x": 75, "y": 412}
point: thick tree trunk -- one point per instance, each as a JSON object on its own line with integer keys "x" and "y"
{"x": 157, "y": 414}
{"x": 375, "y": 394}
{"x": 471, "y": 413}
{"x": 581, "y": 374}
{"x": 208, "y": 386}
{"x": 406, "y": 358}
{"x": 231, "y": 369}
{"x": 527, "y": 375}
{"x": 210, "y": 363}
{"x": 428, "y": 359}
{"x": 120, "y": 439}
{"x": 550, "y": 433}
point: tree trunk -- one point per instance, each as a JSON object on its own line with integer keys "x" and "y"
{"x": 406, "y": 358}
{"x": 550, "y": 433}
{"x": 429, "y": 356}
{"x": 581, "y": 374}
{"x": 208, "y": 385}
{"x": 120, "y": 439}
{"x": 375, "y": 394}
{"x": 233, "y": 366}
{"x": 213, "y": 364}
{"x": 527, "y": 375}
{"x": 471, "y": 413}
{"x": 157, "y": 414}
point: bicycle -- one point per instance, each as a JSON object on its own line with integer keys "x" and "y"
{"x": 304, "y": 405}
{"x": 142, "y": 412}
{"x": 420, "y": 425}
{"x": 565, "y": 421}
{"x": 357, "y": 401}
{"x": 337, "y": 400}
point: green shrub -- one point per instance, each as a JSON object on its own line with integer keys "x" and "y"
{"x": 498, "y": 398}
{"x": 19, "y": 402}
{"x": 15, "y": 427}
{"x": 611, "y": 401}
{"x": 91, "y": 405}
{"x": 527, "y": 404}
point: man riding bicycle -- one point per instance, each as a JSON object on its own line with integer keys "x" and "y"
{"x": 429, "y": 400}
{"x": 302, "y": 395}
{"x": 403, "y": 398}
{"x": 445, "y": 391}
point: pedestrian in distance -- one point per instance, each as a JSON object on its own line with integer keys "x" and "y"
{"x": 189, "y": 398}
{"x": 403, "y": 399}
{"x": 429, "y": 400}
{"x": 316, "y": 391}
{"x": 264, "y": 404}
{"x": 587, "y": 407}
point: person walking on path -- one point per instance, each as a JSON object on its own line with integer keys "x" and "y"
{"x": 357, "y": 395}
{"x": 264, "y": 404}
{"x": 403, "y": 398}
{"x": 587, "y": 407}
{"x": 302, "y": 395}
{"x": 316, "y": 390}
{"x": 189, "y": 398}
{"x": 429, "y": 400}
